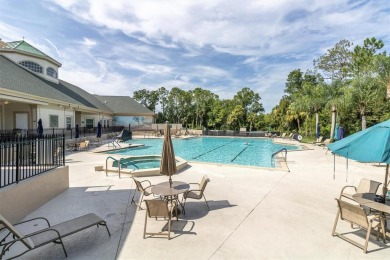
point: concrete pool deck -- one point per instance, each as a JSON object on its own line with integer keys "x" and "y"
{"x": 255, "y": 213}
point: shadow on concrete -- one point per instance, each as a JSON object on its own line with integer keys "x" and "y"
{"x": 111, "y": 205}
{"x": 198, "y": 209}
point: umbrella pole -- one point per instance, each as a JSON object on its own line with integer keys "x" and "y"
{"x": 385, "y": 183}
{"x": 170, "y": 181}
{"x": 334, "y": 165}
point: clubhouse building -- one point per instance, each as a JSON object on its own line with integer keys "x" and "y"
{"x": 30, "y": 89}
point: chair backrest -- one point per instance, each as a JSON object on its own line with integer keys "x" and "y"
{"x": 367, "y": 186}
{"x": 27, "y": 242}
{"x": 203, "y": 183}
{"x": 157, "y": 208}
{"x": 283, "y": 135}
{"x": 139, "y": 185}
{"x": 352, "y": 213}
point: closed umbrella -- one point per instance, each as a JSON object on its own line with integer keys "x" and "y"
{"x": 99, "y": 130}
{"x": 77, "y": 134}
{"x": 336, "y": 132}
{"x": 369, "y": 145}
{"x": 40, "y": 128}
{"x": 168, "y": 161}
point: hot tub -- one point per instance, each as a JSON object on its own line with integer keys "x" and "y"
{"x": 139, "y": 166}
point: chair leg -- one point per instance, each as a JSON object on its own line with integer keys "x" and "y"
{"x": 169, "y": 227}
{"x": 132, "y": 199}
{"x": 63, "y": 247}
{"x": 146, "y": 220}
{"x": 335, "y": 223}
{"x": 383, "y": 230}
{"x": 367, "y": 237}
{"x": 206, "y": 202}
{"x": 140, "y": 201}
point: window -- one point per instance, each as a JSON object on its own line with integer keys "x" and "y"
{"x": 51, "y": 72}
{"x": 53, "y": 121}
{"x": 32, "y": 66}
{"x": 68, "y": 122}
{"x": 89, "y": 123}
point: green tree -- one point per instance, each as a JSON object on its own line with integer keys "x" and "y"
{"x": 336, "y": 63}
{"x": 236, "y": 117}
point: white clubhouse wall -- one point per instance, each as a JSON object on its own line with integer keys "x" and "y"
{"x": 44, "y": 112}
{"x": 16, "y": 57}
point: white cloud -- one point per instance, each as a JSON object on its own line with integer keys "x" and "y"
{"x": 215, "y": 44}
{"x": 88, "y": 42}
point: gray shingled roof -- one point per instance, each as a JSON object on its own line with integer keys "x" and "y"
{"x": 124, "y": 105}
{"x": 17, "y": 78}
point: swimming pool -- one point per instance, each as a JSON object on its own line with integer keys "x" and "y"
{"x": 236, "y": 151}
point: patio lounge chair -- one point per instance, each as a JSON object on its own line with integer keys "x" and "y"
{"x": 323, "y": 143}
{"x": 197, "y": 193}
{"x": 365, "y": 186}
{"x": 51, "y": 234}
{"x": 123, "y": 136}
{"x": 357, "y": 215}
{"x": 144, "y": 190}
{"x": 160, "y": 209}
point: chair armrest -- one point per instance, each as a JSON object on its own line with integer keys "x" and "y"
{"x": 194, "y": 183}
{"x": 150, "y": 184}
{"x": 148, "y": 187}
{"x": 342, "y": 190}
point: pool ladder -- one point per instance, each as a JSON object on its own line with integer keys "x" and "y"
{"x": 285, "y": 156}
{"x": 115, "y": 160}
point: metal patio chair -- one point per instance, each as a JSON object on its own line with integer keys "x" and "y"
{"x": 357, "y": 215}
{"x": 50, "y": 234}
{"x": 160, "y": 209}
{"x": 365, "y": 186}
{"x": 145, "y": 190}
{"x": 197, "y": 193}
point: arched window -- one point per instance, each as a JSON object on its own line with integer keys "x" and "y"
{"x": 51, "y": 72}
{"x": 31, "y": 66}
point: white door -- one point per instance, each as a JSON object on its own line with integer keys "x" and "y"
{"x": 21, "y": 120}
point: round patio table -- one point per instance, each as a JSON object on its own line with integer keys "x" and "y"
{"x": 171, "y": 193}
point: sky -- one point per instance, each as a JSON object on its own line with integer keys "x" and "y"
{"x": 117, "y": 47}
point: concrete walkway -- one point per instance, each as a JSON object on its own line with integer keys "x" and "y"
{"x": 255, "y": 213}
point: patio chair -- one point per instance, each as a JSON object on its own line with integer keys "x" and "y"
{"x": 51, "y": 234}
{"x": 123, "y": 136}
{"x": 323, "y": 143}
{"x": 365, "y": 186}
{"x": 357, "y": 215}
{"x": 83, "y": 145}
{"x": 160, "y": 209}
{"x": 144, "y": 190}
{"x": 197, "y": 193}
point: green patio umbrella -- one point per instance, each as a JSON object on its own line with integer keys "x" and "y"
{"x": 369, "y": 145}
{"x": 168, "y": 161}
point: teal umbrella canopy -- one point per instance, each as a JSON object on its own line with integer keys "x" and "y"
{"x": 369, "y": 145}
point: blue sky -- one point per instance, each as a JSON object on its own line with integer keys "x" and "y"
{"x": 117, "y": 47}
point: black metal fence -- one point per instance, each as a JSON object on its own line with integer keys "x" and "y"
{"x": 22, "y": 157}
{"x": 236, "y": 133}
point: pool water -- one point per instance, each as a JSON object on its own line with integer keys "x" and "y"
{"x": 138, "y": 163}
{"x": 236, "y": 151}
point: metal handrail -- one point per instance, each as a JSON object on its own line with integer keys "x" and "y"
{"x": 285, "y": 155}
{"x": 115, "y": 160}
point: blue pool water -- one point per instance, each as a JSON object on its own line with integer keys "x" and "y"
{"x": 238, "y": 151}
{"x": 139, "y": 163}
